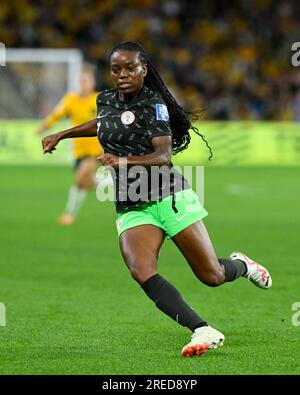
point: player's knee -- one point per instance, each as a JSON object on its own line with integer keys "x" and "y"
{"x": 84, "y": 179}
{"x": 213, "y": 278}
{"x": 141, "y": 275}
{"x": 84, "y": 183}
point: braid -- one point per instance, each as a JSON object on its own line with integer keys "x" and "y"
{"x": 179, "y": 122}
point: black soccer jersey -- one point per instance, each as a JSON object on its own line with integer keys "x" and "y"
{"x": 126, "y": 129}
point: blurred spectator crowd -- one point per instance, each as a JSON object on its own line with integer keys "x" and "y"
{"x": 231, "y": 57}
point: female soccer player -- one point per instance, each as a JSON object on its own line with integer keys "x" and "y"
{"x": 140, "y": 123}
{"x": 79, "y": 107}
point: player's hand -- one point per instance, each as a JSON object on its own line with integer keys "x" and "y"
{"x": 49, "y": 143}
{"x": 110, "y": 160}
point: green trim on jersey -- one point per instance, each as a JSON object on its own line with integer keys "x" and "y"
{"x": 161, "y": 214}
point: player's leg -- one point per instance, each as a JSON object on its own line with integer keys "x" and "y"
{"x": 140, "y": 248}
{"x": 185, "y": 227}
{"x": 197, "y": 248}
{"x": 195, "y": 245}
{"x": 85, "y": 174}
{"x": 84, "y": 180}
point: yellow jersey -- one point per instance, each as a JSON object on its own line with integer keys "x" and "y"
{"x": 79, "y": 109}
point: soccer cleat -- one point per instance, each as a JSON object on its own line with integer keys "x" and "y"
{"x": 66, "y": 219}
{"x": 203, "y": 339}
{"x": 256, "y": 273}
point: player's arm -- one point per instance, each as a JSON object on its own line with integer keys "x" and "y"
{"x": 161, "y": 155}
{"x": 60, "y": 112}
{"x": 88, "y": 129}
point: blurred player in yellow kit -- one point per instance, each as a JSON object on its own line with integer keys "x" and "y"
{"x": 79, "y": 108}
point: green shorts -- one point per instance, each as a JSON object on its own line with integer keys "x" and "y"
{"x": 161, "y": 214}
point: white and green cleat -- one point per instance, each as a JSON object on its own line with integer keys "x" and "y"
{"x": 203, "y": 339}
{"x": 256, "y": 273}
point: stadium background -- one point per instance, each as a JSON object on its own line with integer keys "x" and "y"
{"x": 71, "y": 305}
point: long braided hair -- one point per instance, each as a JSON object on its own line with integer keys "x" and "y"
{"x": 179, "y": 122}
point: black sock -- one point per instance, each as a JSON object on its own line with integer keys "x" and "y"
{"x": 234, "y": 268}
{"x": 169, "y": 301}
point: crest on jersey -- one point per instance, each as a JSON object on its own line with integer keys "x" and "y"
{"x": 127, "y": 117}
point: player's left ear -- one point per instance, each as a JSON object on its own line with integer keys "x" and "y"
{"x": 145, "y": 70}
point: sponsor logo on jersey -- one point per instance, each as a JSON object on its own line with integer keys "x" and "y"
{"x": 127, "y": 117}
{"x": 161, "y": 112}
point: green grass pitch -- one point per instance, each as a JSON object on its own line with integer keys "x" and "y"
{"x": 72, "y": 307}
